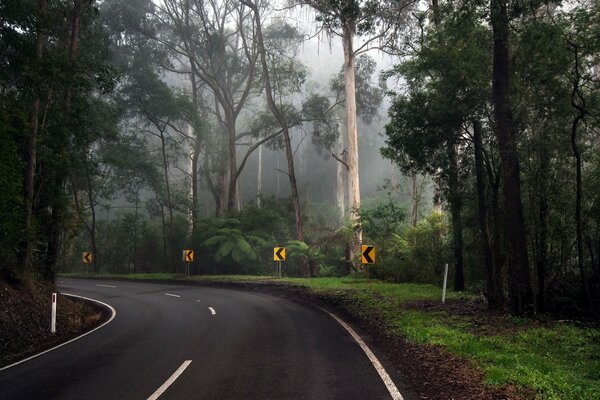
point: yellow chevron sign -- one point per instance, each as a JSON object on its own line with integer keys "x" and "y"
{"x": 279, "y": 253}
{"x": 87, "y": 257}
{"x": 368, "y": 254}
{"x": 188, "y": 255}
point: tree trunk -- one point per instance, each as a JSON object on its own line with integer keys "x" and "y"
{"x": 93, "y": 224}
{"x": 195, "y": 158}
{"x": 171, "y": 262}
{"x": 575, "y": 96}
{"x": 32, "y": 146}
{"x": 455, "y": 199}
{"x": 414, "y": 197}
{"x": 135, "y": 226}
{"x": 59, "y": 173}
{"x": 521, "y": 295}
{"x": 340, "y": 189}
{"x": 222, "y": 185}
{"x": 495, "y": 294}
{"x": 164, "y": 231}
{"x": 352, "y": 142}
{"x": 310, "y": 269}
{"x": 232, "y": 157}
{"x": 259, "y": 179}
{"x": 542, "y": 240}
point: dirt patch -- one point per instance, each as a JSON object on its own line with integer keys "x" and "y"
{"x": 479, "y": 319}
{"x": 25, "y": 320}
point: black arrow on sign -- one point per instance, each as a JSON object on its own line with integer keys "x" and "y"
{"x": 278, "y": 253}
{"x": 87, "y": 257}
{"x": 366, "y": 254}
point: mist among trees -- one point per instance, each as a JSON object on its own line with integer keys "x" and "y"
{"x": 445, "y": 132}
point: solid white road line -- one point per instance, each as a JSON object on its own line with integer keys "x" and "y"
{"x": 110, "y": 286}
{"x": 212, "y": 310}
{"x": 389, "y": 383}
{"x": 112, "y": 310}
{"x": 172, "y": 295}
{"x": 170, "y": 381}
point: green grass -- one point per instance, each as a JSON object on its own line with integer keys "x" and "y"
{"x": 554, "y": 362}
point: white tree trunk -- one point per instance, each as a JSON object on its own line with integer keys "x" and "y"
{"x": 259, "y": 179}
{"x": 340, "y": 189}
{"x": 352, "y": 134}
{"x": 190, "y": 171}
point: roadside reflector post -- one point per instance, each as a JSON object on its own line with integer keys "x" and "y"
{"x": 53, "y": 317}
{"x": 445, "y": 282}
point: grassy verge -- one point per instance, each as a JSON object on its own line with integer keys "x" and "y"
{"x": 546, "y": 360}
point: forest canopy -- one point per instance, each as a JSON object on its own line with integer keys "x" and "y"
{"x": 439, "y": 132}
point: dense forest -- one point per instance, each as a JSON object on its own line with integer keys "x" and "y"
{"x": 461, "y": 132}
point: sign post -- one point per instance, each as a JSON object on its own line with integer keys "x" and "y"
{"x": 279, "y": 256}
{"x": 188, "y": 257}
{"x": 445, "y": 281}
{"x": 53, "y": 317}
{"x": 87, "y": 257}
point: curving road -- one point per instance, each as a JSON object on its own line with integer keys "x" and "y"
{"x": 242, "y": 345}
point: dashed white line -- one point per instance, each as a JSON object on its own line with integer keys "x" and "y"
{"x": 389, "y": 383}
{"x": 170, "y": 381}
{"x": 110, "y": 286}
{"x": 198, "y": 300}
{"x": 172, "y": 295}
{"x": 212, "y": 310}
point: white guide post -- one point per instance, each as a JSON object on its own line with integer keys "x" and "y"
{"x": 445, "y": 282}
{"x": 53, "y": 318}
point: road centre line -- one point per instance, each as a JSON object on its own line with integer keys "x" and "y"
{"x": 170, "y": 381}
{"x": 389, "y": 383}
{"x": 110, "y": 286}
{"x": 172, "y": 295}
{"x": 212, "y": 310}
{"x": 113, "y": 315}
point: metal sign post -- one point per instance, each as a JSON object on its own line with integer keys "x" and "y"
{"x": 279, "y": 256}
{"x": 53, "y": 317}
{"x": 445, "y": 281}
{"x": 188, "y": 257}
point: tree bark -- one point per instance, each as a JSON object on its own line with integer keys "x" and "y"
{"x": 415, "y": 199}
{"x": 310, "y": 269}
{"x": 578, "y": 102}
{"x": 521, "y": 295}
{"x": 93, "y": 224}
{"x": 340, "y": 189}
{"x": 542, "y": 240}
{"x": 59, "y": 173}
{"x": 455, "y": 199}
{"x": 259, "y": 179}
{"x": 349, "y": 31}
{"x": 169, "y": 202}
{"x": 494, "y": 289}
{"x": 29, "y": 186}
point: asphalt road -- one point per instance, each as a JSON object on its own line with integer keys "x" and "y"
{"x": 242, "y": 345}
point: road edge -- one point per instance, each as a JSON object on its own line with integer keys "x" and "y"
{"x": 108, "y": 306}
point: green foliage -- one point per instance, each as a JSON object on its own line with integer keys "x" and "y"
{"x": 312, "y": 254}
{"x": 421, "y": 251}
